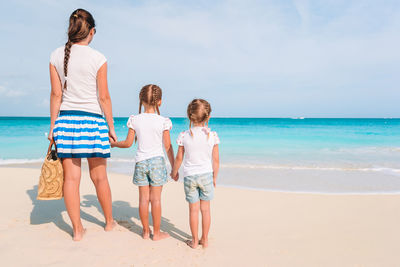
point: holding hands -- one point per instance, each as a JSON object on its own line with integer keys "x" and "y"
{"x": 175, "y": 175}
{"x": 112, "y": 143}
{"x": 112, "y": 136}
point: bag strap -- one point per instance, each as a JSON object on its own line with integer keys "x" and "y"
{"x": 51, "y": 145}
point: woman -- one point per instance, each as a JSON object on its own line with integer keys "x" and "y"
{"x": 79, "y": 96}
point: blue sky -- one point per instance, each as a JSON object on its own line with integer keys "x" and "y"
{"x": 329, "y": 58}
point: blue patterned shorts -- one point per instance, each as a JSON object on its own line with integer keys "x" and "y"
{"x": 199, "y": 187}
{"x": 150, "y": 172}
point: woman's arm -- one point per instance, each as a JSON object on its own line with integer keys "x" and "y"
{"x": 105, "y": 99}
{"x": 55, "y": 98}
{"x": 215, "y": 163}
{"x": 168, "y": 147}
{"x": 178, "y": 162}
{"x": 127, "y": 142}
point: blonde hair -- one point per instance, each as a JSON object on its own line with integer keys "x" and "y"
{"x": 198, "y": 111}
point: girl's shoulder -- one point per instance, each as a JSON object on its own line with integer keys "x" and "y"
{"x": 57, "y": 54}
{"x": 181, "y": 137}
{"x": 58, "y": 50}
{"x": 166, "y": 123}
{"x": 96, "y": 52}
{"x": 145, "y": 119}
{"x": 131, "y": 122}
{"x": 212, "y": 135}
{"x": 185, "y": 133}
{"x": 98, "y": 58}
{"x": 215, "y": 137}
{"x": 151, "y": 116}
{"x": 212, "y": 138}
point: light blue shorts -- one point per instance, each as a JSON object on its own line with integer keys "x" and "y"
{"x": 199, "y": 187}
{"x": 150, "y": 172}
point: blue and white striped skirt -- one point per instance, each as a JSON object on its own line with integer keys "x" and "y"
{"x": 80, "y": 134}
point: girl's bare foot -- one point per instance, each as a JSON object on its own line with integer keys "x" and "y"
{"x": 160, "y": 235}
{"x": 78, "y": 235}
{"x": 109, "y": 226}
{"x": 204, "y": 243}
{"x": 191, "y": 243}
{"x": 146, "y": 234}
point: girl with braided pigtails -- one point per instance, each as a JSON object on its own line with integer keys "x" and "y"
{"x": 150, "y": 131}
{"x": 198, "y": 149}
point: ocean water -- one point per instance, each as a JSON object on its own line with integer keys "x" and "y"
{"x": 261, "y": 144}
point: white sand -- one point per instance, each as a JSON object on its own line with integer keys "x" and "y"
{"x": 249, "y": 228}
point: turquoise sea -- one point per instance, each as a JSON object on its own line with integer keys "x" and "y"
{"x": 264, "y": 144}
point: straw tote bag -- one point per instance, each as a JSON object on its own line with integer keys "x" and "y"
{"x": 51, "y": 177}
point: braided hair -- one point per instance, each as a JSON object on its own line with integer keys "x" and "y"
{"x": 80, "y": 24}
{"x": 150, "y": 94}
{"x": 198, "y": 111}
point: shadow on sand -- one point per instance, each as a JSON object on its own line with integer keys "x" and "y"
{"x": 124, "y": 214}
{"x": 51, "y": 212}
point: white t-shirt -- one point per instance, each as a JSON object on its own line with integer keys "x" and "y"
{"x": 149, "y": 129}
{"x": 198, "y": 150}
{"x": 81, "y": 92}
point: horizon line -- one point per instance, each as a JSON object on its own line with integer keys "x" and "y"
{"x": 222, "y": 117}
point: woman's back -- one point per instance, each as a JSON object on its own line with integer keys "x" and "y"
{"x": 83, "y": 65}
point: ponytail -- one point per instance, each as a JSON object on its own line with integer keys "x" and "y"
{"x": 80, "y": 24}
{"x": 67, "y": 52}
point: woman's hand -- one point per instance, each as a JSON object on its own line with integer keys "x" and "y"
{"x": 112, "y": 136}
{"x": 50, "y": 135}
{"x": 112, "y": 143}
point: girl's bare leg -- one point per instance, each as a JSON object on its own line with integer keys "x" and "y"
{"x": 98, "y": 174}
{"x": 194, "y": 224}
{"x": 72, "y": 179}
{"x": 144, "y": 198}
{"x": 206, "y": 221}
{"x": 155, "y": 199}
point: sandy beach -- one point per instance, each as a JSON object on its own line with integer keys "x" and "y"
{"x": 249, "y": 228}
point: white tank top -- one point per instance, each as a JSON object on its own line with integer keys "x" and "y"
{"x": 81, "y": 92}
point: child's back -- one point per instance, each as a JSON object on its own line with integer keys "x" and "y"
{"x": 198, "y": 143}
{"x": 198, "y": 149}
{"x": 152, "y": 132}
{"x": 149, "y": 129}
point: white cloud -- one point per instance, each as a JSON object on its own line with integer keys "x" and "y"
{"x": 5, "y": 92}
{"x": 302, "y": 7}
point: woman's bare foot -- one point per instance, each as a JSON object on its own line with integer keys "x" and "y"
{"x": 146, "y": 234}
{"x": 160, "y": 235}
{"x": 109, "y": 226}
{"x": 204, "y": 243}
{"x": 78, "y": 235}
{"x": 191, "y": 243}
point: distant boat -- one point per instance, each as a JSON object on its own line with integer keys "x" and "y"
{"x": 298, "y": 118}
